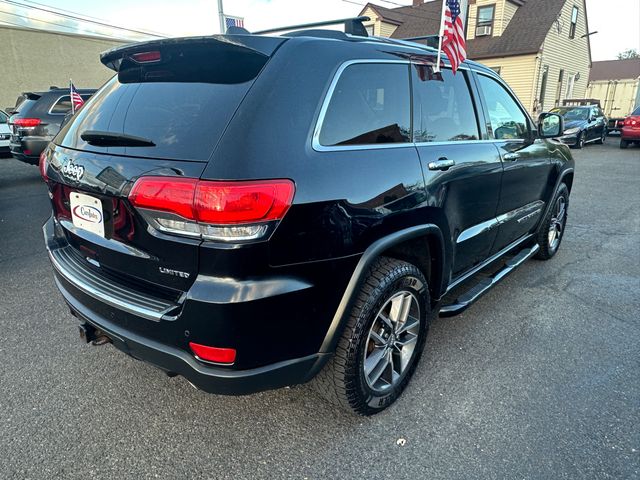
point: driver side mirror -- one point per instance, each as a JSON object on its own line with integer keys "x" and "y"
{"x": 550, "y": 125}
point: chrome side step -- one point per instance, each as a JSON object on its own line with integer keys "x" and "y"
{"x": 475, "y": 292}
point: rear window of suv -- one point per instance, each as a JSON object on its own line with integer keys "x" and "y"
{"x": 183, "y": 119}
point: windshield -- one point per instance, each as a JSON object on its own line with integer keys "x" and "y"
{"x": 572, "y": 113}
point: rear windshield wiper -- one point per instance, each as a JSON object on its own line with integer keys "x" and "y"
{"x": 113, "y": 139}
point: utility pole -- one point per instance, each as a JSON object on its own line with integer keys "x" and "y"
{"x": 221, "y": 17}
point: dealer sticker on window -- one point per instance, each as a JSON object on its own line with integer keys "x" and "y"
{"x": 86, "y": 212}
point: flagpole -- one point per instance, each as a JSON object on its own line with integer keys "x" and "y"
{"x": 73, "y": 105}
{"x": 440, "y": 35}
{"x": 221, "y": 17}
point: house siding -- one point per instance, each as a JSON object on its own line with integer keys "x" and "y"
{"x": 501, "y": 16}
{"x": 560, "y": 52}
{"x": 380, "y": 28}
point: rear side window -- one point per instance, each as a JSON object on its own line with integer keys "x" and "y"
{"x": 507, "y": 119}
{"x": 636, "y": 111}
{"x": 63, "y": 105}
{"x": 443, "y": 108}
{"x": 370, "y": 105}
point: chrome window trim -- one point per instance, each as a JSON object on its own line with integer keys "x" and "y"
{"x": 315, "y": 141}
{"x": 56, "y": 102}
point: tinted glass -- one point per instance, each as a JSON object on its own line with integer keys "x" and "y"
{"x": 183, "y": 119}
{"x": 3, "y": 117}
{"x": 507, "y": 120}
{"x": 443, "y": 109}
{"x": 62, "y": 106}
{"x": 370, "y": 105}
{"x": 24, "y": 105}
{"x": 636, "y": 111}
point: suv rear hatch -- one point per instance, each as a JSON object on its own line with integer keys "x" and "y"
{"x": 161, "y": 115}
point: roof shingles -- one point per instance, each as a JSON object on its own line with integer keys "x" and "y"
{"x": 524, "y": 34}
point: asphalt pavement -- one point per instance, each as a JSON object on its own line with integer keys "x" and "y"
{"x": 539, "y": 379}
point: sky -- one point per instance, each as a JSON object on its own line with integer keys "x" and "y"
{"x": 616, "y": 21}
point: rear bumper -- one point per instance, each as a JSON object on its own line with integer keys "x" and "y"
{"x": 631, "y": 134}
{"x": 160, "y": 338}
{"x": 28, "y": 149}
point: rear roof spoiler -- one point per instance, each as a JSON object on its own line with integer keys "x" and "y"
{"x": 247, "y": 44}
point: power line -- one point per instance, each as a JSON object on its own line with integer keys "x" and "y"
{"x": 83, "y": 15}
{"x": 74, "y": 17}
{"x": 41, "y": 21}
{"x": 392, "y": 9}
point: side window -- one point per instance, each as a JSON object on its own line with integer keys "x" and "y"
{"x": 507, "y": 119}
{"x": 370, "y": 105}
{"x": 443, "y": 109}
{"x": 62, "y": 106}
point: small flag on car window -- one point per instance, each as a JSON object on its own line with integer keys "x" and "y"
{"x": 76, "y": 99}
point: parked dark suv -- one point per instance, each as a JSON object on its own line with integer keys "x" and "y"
{"x": 36, "y": 119}
{"x": 251, "y": 212}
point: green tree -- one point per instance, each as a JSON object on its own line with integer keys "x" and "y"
{"x": 627, "y": 54}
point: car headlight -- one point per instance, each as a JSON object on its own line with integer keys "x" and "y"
{"x": 571, "y": 131}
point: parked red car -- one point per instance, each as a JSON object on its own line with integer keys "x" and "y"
{"x": 631, "y": 129}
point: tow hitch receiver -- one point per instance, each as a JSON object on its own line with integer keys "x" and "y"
{"x": 90, "y": 334}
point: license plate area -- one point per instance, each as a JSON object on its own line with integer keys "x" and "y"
{"x": 87, "y": 213}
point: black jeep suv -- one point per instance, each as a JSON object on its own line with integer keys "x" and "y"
{"x": 251, "y": 211}
{"x": 36, "y": 119}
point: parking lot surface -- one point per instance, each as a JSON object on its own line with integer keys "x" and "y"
{"x": 539, "y": 379}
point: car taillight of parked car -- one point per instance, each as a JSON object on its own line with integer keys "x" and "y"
{"x": 26, "y": 122}
{"x": 632, "y": 122}
{"x": 212, "y": 210}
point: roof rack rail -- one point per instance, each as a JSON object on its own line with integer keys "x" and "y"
{"x": 352, "y": 26}
{"x": 432, "y": 40}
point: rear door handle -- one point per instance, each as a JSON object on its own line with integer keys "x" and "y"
{"x": 511, "y": 157}
{"x": 441, "y": 164}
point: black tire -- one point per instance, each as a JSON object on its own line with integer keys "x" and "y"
{"x": 624, "y": 143}
{"x": 343, "y": 381}
{"x": 602, "y": 138}
{"x": 579, "y": 141}
{"x": 549, "y": 247}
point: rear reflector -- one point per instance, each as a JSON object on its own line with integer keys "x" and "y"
{"x": 42, "y": 164}
{"x": 213, "y": 354}
{"x": 214, "y": 210}
{"x": 26, "y": 122}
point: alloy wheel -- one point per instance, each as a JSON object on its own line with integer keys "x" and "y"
{"x": 392, "y": 341}
{"x": 556, "y": 226}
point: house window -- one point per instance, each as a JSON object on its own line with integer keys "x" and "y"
{"x": 574, "y": 22}
{"x": 543, "y": 86}
{"x": 570, "y": 83}
{"x": 484, "y": 20}
{"x": 559, "y": 87}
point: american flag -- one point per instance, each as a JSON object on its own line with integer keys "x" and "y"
{"x": 76, "y": 99}
{"x": 234, "y": 22}
{"x": 453, "y": 43}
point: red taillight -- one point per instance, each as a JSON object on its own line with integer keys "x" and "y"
{"x": 242, "y": 202}
{"x": 27, "y": 122}
{"x": 147, "y": 57}
{"x": 216, "y": 210}
{"x": 166, "y": 194}
{"x": 632, "y": 121}
{"x": 42, "y": 164}
{"x": 213, "y": 354}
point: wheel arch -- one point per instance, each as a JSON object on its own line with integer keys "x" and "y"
{"x": 400, "y": 245}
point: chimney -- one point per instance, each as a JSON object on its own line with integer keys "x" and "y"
{"x": 417, "y": 3}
